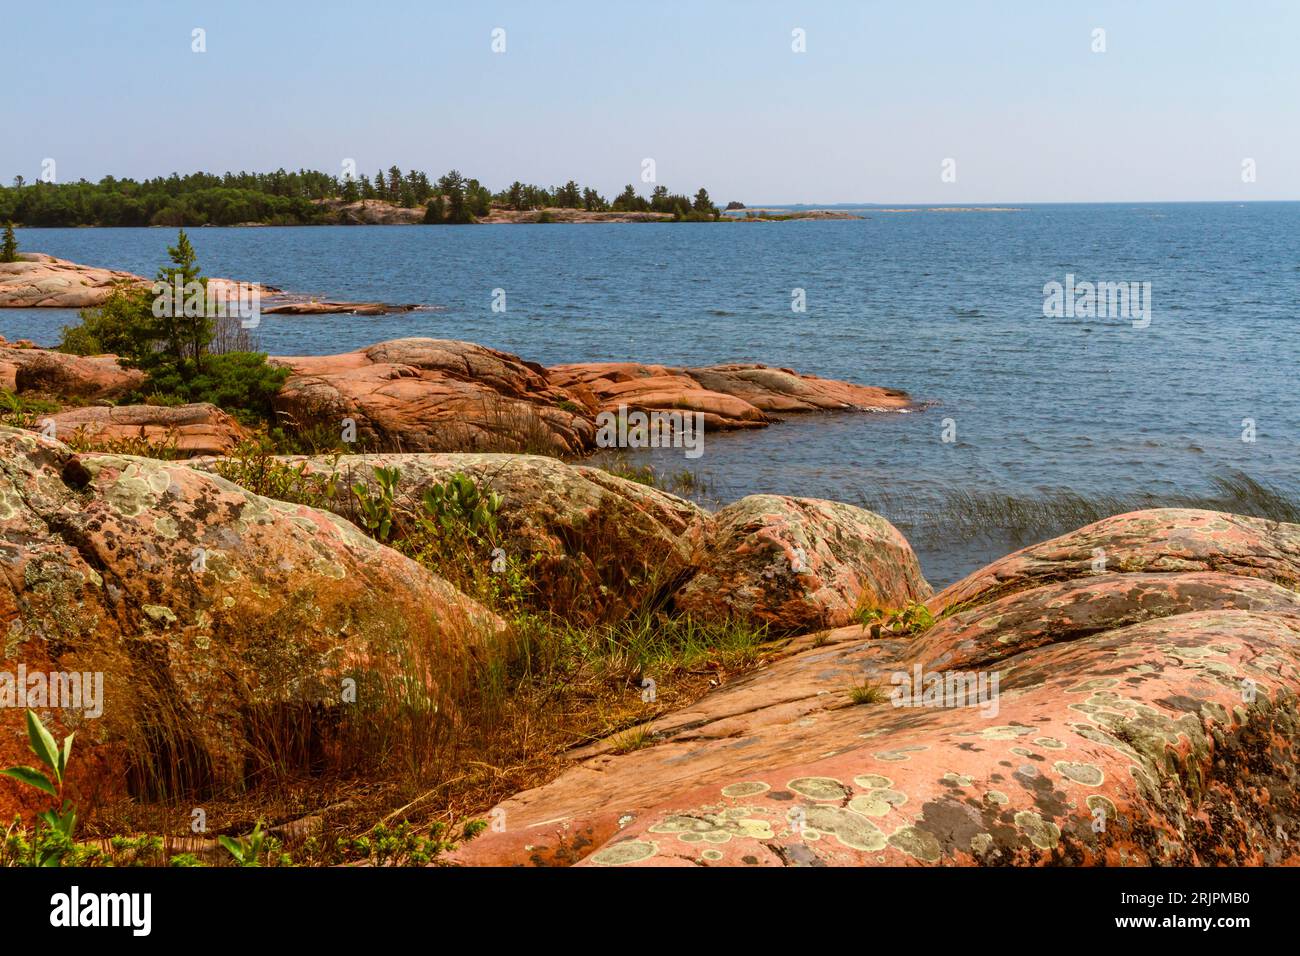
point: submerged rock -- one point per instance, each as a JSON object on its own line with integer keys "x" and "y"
{"x": 1146, "y": 714}
{"x": 222, "y": 623}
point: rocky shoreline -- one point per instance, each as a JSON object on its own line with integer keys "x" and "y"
{"x": 1147, "y": 711}
{"x": 1125, "y": 694}
{"x": 442, "y": 395}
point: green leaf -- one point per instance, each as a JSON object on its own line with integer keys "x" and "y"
{"x": 233, "y": 848}
{"x": 32, "y": 777}
{"x": 67, "y": 752}
{"x": 43, "y": 744}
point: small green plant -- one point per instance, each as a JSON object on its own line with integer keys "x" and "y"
{"x": 246, "y": 851}
{"x": 400, "y": 845}
{"x": 255, "y": 467}
{"x": 458, "y": 505}
{"x": 376, "y": 503}
{"x": 62, "y": 821}
{"x": 909, "y": 621}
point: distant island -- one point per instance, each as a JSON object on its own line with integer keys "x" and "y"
{"x": 309, "y": 197}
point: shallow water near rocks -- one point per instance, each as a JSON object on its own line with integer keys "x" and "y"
{"x": 948, "y": 306}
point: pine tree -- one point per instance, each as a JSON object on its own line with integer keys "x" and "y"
{"x": 184, "y": 336}
{"x": 9, "y": 251}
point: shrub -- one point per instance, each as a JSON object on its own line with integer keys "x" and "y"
{"x": 242, "y": 383}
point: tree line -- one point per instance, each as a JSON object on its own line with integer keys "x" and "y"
{"x": 295, "y": 198}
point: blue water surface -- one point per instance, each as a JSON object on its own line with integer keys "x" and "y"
{"x": 946, "y": 305}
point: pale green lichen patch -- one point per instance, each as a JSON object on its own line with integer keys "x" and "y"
{"x": 899, "y": 754}
{"x": 916, "y": 843}
{"x": 1005, "y": 732}
{"x": 745, "y": 789}
{"x": 620, "y": 854}
{"x": 1041, "y": 833}
{"x": 819, "y": 788}
{"x": 1050, "y": 743}
{"x": 705, "y": 827}
{"x": 872, "y": 781}
{"x": 159, "y": 614}
{"x": 877, "y": 803}
{"x": 1096, "y": 801}
{"x": 852, "y": 829}
{"x": 1090, "y": 775}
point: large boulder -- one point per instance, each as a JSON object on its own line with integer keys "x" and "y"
{"x": 597, "y": 546}
{"x": 91, "y": 377}
{"x": 225, "y": 625}
{"x": 199, "y": 429}
{"x": 798, "y": 564}
{"x": 436, "y": 395}
{"x": 1124, "y": 717}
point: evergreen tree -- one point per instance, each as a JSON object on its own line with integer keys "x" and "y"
{"x": 515, "y": 196}
{"x": 9, "y": 250}
{"x": 626, "y": 201}
{"x": 184, "y": 336}
{"x": 703, "y": 204}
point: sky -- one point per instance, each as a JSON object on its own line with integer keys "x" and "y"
{"x": 1184, "y": 97}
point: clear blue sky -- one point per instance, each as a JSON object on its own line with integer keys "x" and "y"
{"x": 711, "y": 90}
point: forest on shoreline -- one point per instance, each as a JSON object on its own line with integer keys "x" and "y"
{"x": 310, "y": 197}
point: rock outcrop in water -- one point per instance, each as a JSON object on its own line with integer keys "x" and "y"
{"x": 1146, "y": 713}
{"x": 214, "y": 616}
{"x": 40, "y": 281}
{"x": 438, "y": 395}
{"x": 728, "y": 396}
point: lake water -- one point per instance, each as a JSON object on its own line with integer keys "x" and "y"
{"x": 948, "y": 306}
